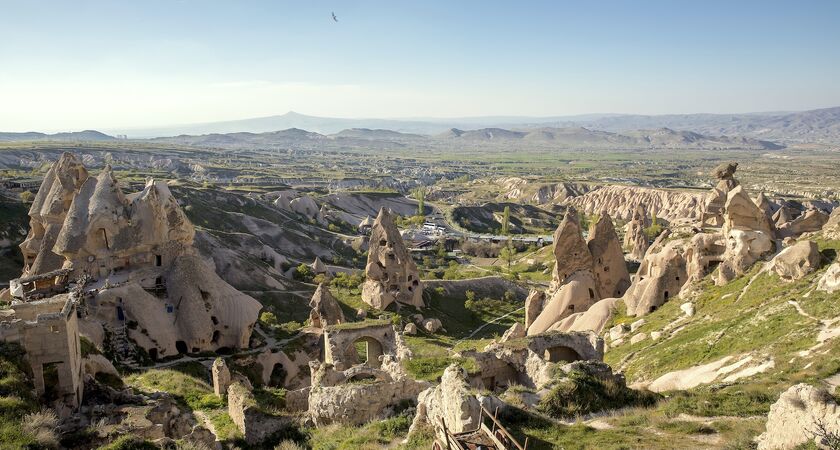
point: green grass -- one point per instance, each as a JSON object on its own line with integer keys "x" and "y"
{"x": 129, "y": 442}
{"x": 578, "y": 393}
{"x": 226, "y": 430}
{"x": 374, "y": 435}
{"x": 16, "y": 399}
{"x": 192, "y": 392}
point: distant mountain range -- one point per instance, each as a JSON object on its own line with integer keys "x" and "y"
{"x": 817, "y": 126}
{"x": 756, "y": 130}
{"x": 86, "y": 135}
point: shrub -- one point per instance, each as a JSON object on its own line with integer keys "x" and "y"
{"x": 303, "y": 273}
{"x": 580, "y": 393}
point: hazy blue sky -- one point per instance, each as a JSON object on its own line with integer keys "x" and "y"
{"x": 99, "y": 64}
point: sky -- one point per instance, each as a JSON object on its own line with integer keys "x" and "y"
{"x": 70, "y": 65}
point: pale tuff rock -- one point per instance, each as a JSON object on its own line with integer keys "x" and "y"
{"x": 796, "y": 261}
{"x": 716, "y": 199}
{"x": 702, "y": 253}
{"x": 783, "y": 215}
{"x": 325, "y": 308}
{"x": 765, "y": 205}
{"x": 47, "y": 213}
{"x": 96, "y": 363}
{"x": 593, "y": 319}
{"x": 451, "y": 402}
{"x": 136, "y": 251}
{"x": 410, "y": 329}
{"x": 830, "y": 281}
{"x": 793, "y": 419}
{"x": 335, "y": 398}
{"x": 432, "y": 325}
{"x": 318, "y": 266}
{"x": 831, "y": 229}
{"x": 743, "y": 249}
{"x": 610, "y": 270}
{"x": 635, "y": 239}
{"x": 637, "y": 324}
{"x": 688, "y": 309}
{"x": 617, "y": 332}
{"x": 638, "y": 338}
{"x": 741, "y": 213}
{"x": 221, "y": 377}
{"x": 570, "y": 250}
{"x": 516, "y": 331}
{"x": 621, "y": 202}
{"x": 576, "y": 295}
{"x": 660, "y": 277}
{"x": 391, "y": 275}
{"x": 810, "y": 220}
{"x": 533, "y": 306}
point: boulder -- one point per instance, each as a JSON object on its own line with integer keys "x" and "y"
{"x": 410, "y": 329}
{"x": 516, "y": 331}
{"x": 830, "y": 281}
{"x": 432, "y": 325}
{"x": 831, "y": 229}
{"x": 637, "y": 324}
{"x": 743, "y": 249}
{"x": 450, "y": 402}
{"x": 795, "y": 417}
{"x": 796, "y": 261}
{"x": 687, "y": 309}
{"x": 811, "y": 220}
{"x": 636, "y": 338}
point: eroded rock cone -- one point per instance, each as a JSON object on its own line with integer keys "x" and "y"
{"x": 610, "y": 270}
{"x": 570, "y": 250}
{"x": 635, "y": 239}
{"x": 391, "y": 275}
{"x": 741, "y": 213}
{"x": 325, "y": 308}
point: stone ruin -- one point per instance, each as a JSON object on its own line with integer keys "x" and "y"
{"x": 391, "y": 274}
{"x": 585, "y": 272}
{"x": 49, "y": 332}
{"x": 130, "y": 260}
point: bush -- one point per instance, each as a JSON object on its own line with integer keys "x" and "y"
{"x": 129, "y": 442}
{"x": 303, "y": 273}
{"x": 580, "y": 393}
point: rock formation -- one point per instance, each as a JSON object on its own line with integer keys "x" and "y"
{"x": 659, "y": 278}
{"x": 136, "y": 253}
{"x": 221, "y": 377}
{"x": 830, "y": 281}
{"x": 810, "y": 220}
{"x": 831, "y": 229}
{"x": 61, "y": 184}
{"x": 325, "y": 308}
{"x": 716, "y": 199}
{"x": 391, "y": 274}
{"x": 450, "y": 402}
{"x": 611, "y": 275}
{"x": 621, "y": 202}
{"x": 584, "y": 273}
{"x": 741, "y": 213}
{"x": 635, "y": 238}
{"x": 796, "y": 261}
{"x": 702, "y": 254}
{"x": 743, "y": 249}
{"x": 793, "y": 419}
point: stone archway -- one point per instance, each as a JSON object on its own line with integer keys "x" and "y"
{"x": 365, "y": 350}
{"x": 561, "y": 353}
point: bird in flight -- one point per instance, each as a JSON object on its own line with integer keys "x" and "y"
{"x": 334, "y": 17}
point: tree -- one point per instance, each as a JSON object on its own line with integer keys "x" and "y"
{"x": 420, "y": 195}
{"x": 26, "y": 196}
{"x": 506, "y": 220}
{"x": 507, "y": 254}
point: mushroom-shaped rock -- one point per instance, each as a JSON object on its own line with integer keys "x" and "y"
{"x": 796, "y": 261}
{"x": 610, "y": 270}
{"x": 325, "y": 308}
{"x": 391, "y": 274}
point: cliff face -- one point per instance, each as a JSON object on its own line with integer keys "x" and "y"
{"x": 621, "y": 201}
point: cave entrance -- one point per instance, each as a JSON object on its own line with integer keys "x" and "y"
{"x": 561, "y": 353}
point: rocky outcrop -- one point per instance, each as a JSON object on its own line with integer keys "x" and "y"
{"x": 621, "y": 202}
{"x": 796, "y": 261}
{"x": 635, "y": 238}
{"x": 451, "y": 402}
{"x": 221, "y": 377}
{"x": 659, "y": 278}
{"x": 715, "y": 201}
{"x": 703, "y": 252}
{"x": 743, "y": 249}
{"x": 576, "y": 295}
{"x": 811, "y": 220}
{"x": 741, "y": 213}
{"x": 593, "y": 319}
{"x": 830, "y": 281}
{"x": 609, "y": 267}
{"x": 533, "y": 306}
{"x": 47, "y": 213}
{"x": 391, "y": 274}
{"x": 831, "y": 229}
{"x": 325, "y": 308}
{"x": 243, "y": 410}
{"x": 795, "y": 419}
{"x": 570, "y": 250}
